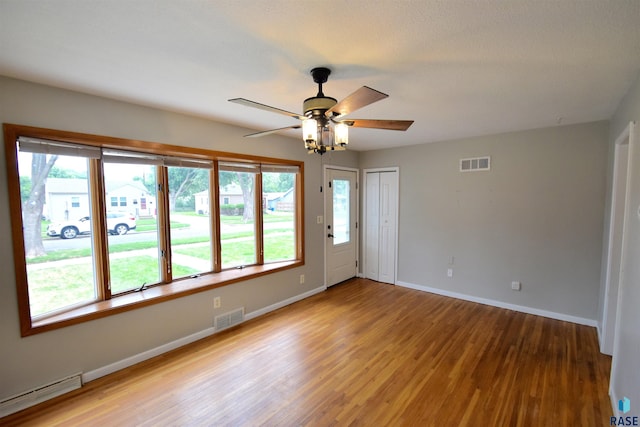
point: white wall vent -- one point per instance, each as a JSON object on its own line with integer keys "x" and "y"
{"x": 39, "y": 395}
{"x": 228, "y": 320}
{"x": 474, "y": 164}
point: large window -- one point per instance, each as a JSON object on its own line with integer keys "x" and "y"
{"x": 101, "y": 228}
{"x": 133, "y": 239}
{"x": 238, "y": 220}
{"x": 190, "y": 222}
{"x": 278, "y": 213}
{"x": 56, "y": 281}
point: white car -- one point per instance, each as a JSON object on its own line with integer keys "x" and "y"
{"x": 117, "y": 223}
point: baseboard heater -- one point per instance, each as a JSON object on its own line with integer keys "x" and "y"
{"x": 40, "y": 394}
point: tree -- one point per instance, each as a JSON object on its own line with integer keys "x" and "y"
{"x": 183, "y": 182}
{"x": 57, "y": 172}
{"x": 246, "y": 181}
{"x": 277, "y": 182}
{"x": 32, "y": 208}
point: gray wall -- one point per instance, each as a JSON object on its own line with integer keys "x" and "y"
{"x": 37, "y": 360}
{"x": 536, "y": 217}
{"x": 625, "y": 375}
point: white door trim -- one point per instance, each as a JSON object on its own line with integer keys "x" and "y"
{"x": 627, "y": 135}
{"x": 619, "y": 197}
{"x": 395, "y": 169}
{"x": 324, "y": 222}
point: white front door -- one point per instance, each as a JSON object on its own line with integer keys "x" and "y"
{"x": 341, "y": 233}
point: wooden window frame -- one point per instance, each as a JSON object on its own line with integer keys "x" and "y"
{"x": 169, "y": 289}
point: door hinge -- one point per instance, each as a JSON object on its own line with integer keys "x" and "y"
{"x": 329, "y": 184}
{"x": 356, "y": 224}
{"x": 356, "y": 263}
{"x": 160, "y": 188}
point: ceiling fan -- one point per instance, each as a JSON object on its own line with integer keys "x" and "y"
{"x": 323, "y": 126}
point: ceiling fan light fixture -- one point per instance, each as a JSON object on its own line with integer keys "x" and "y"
{"x": 341, "y": 134}
{"x": 310, "y": 131}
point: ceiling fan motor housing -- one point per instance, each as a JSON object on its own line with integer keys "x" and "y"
{"x": 316, "y": 107}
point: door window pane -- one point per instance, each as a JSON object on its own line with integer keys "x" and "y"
{"x": 237, "y": 219}
{"x": 279, "y": 202}
{"x": 191, "y": 251}
{"x": 341, "y": 223}
{"x": 133, "y": 233}
{"x": 58, "y": 252}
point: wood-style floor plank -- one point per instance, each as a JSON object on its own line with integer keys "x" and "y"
{"x": 361, "y": 353}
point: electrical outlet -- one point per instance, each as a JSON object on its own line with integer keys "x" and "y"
{"x": 217, "y": 302}
{"x": 516, "y": 286}
{"x": 450, "y": 272}
{"x": 301, "y": 279}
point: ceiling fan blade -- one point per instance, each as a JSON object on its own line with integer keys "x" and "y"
{"x": 358, "y": 99}
{"x": 269, "y": 132}
{"x": 379, "y": 124}
{"x": 249, "y": 103}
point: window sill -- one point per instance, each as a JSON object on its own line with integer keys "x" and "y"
{"x": 155, "y": 295}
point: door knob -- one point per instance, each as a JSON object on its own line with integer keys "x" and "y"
{"x": 330, "y": 235}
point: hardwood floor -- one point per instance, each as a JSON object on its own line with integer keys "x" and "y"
{"x": 361, "y": 353}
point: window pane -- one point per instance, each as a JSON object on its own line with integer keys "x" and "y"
{"x": 340, "y": 211}
{"x": 237, "y": 230}
{"x": 279, "y": 203}
{"x": 190, "y": 224}
{"x": 133, "y": 231}
{"x": 55, "y": 212}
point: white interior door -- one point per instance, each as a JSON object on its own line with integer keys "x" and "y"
{"x": 381, "y": 208}
{"x": 340, "y": 225}
{"x": 372, "y": 225}
{"x": 388, "y": 198}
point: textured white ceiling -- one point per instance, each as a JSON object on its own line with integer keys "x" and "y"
{"x": 458, "y": 68}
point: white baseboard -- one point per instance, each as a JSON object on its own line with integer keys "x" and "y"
{"x": 140, "y": 357}
{"x": 284, "y": 303}
{"x": 614, "y": 403}
{"x": 600, "y": 341}
{"x": 501, "y": 304}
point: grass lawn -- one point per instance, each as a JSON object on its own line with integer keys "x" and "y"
{"x": 46, "y": 292}
{"x": 231, "y": 220}
{"x": 132, "y": 273}
{"x": 277, "y": 247}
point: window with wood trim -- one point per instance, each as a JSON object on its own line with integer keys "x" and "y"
{"x": 103, "y": 225}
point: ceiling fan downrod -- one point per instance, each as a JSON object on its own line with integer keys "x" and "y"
{"x": 320, "y": 75}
